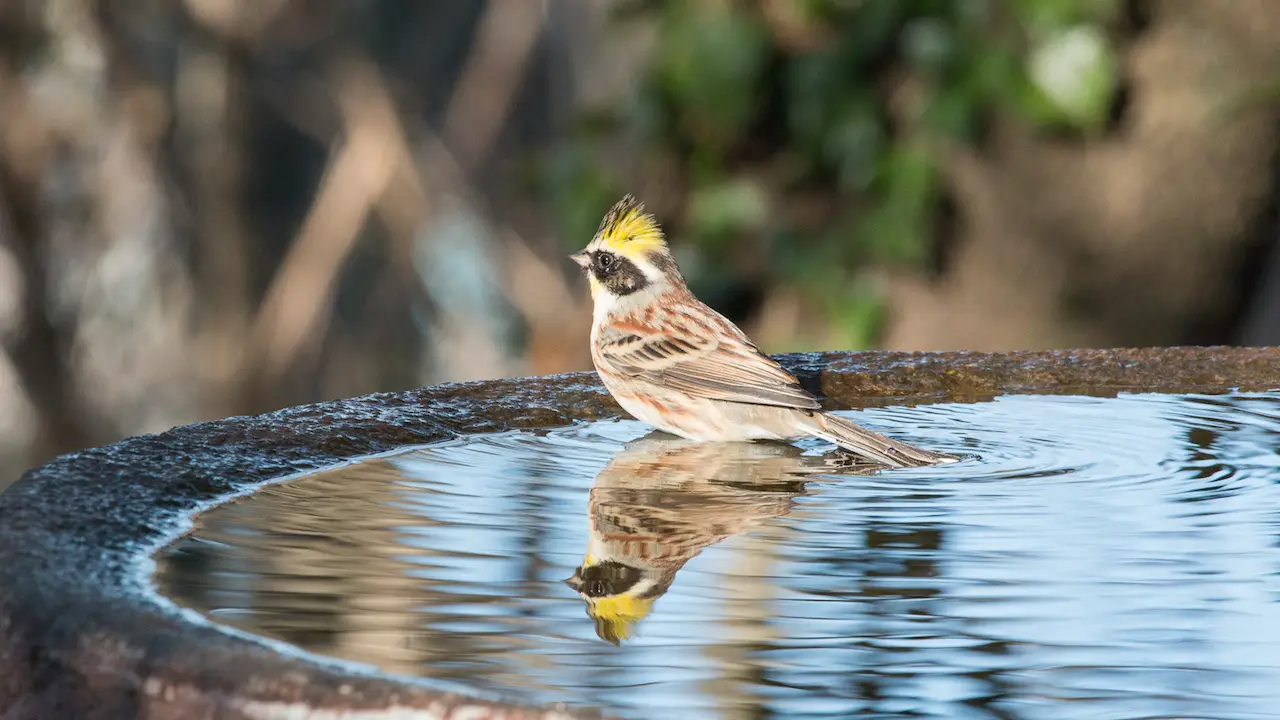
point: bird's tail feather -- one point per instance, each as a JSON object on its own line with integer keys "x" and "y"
{"x": 872, "y": 445}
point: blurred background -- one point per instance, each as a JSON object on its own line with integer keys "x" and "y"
{"x": 218, "y": 207}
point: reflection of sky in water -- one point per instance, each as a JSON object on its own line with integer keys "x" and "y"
{"x": 1116, "y": 553}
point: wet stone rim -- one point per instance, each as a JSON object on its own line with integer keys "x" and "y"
{"x": 82, "y": 634}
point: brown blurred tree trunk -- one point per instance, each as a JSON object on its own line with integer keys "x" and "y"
{"x": 40, "y": 347}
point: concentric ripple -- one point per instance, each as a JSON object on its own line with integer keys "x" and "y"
{"x": 1091, "y": 557}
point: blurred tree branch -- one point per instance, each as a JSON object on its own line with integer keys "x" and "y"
{"x": 296, "y": 306}
{"x": 477, "y": 113}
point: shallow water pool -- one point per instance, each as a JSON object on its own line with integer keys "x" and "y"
{"x": 1092, "y": 557}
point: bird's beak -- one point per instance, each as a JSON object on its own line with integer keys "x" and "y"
{"x": 582, "y": 258}
{"x": 575, "y": 581}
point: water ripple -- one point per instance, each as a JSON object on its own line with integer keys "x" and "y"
{"x": 1120, "y": 554}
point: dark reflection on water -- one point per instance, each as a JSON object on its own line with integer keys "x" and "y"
{"x": 1111, "y": 558}
{"x": 661, "y": 500}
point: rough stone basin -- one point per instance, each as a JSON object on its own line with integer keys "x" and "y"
{"x": 83, "y": 634}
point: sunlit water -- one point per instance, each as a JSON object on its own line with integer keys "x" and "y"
{"x": 1093, "y": 558}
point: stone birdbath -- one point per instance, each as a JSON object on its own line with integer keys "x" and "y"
{"x": 85, "y": 634}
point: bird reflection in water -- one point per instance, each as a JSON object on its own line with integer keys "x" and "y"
{"x": 661, "y": 500}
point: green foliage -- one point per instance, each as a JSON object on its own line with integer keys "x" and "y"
{"x": 810, "y": 132}
{"x": 721, "y": 211}
{"x": 709, "y": 65}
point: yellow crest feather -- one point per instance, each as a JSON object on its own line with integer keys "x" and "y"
{"x": 629, "y": 230}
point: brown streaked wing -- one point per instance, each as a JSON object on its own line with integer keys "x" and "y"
{"x": 719, "y": 365}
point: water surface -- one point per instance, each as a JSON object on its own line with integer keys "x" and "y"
{"x": 1094, "y": 558}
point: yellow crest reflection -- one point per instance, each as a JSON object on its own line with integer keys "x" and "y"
{"x": 661, "y": 500}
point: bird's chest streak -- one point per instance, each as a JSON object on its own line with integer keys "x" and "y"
{"x": 672, "y": 411}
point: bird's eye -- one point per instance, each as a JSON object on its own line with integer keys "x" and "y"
{"x": 604, "y": 260}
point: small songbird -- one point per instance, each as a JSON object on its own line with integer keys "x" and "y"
{"x": 673, "y": 362}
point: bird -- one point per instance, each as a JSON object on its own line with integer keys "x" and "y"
{"x": 660, "y": 501}
{"x": 675, "y": 363}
